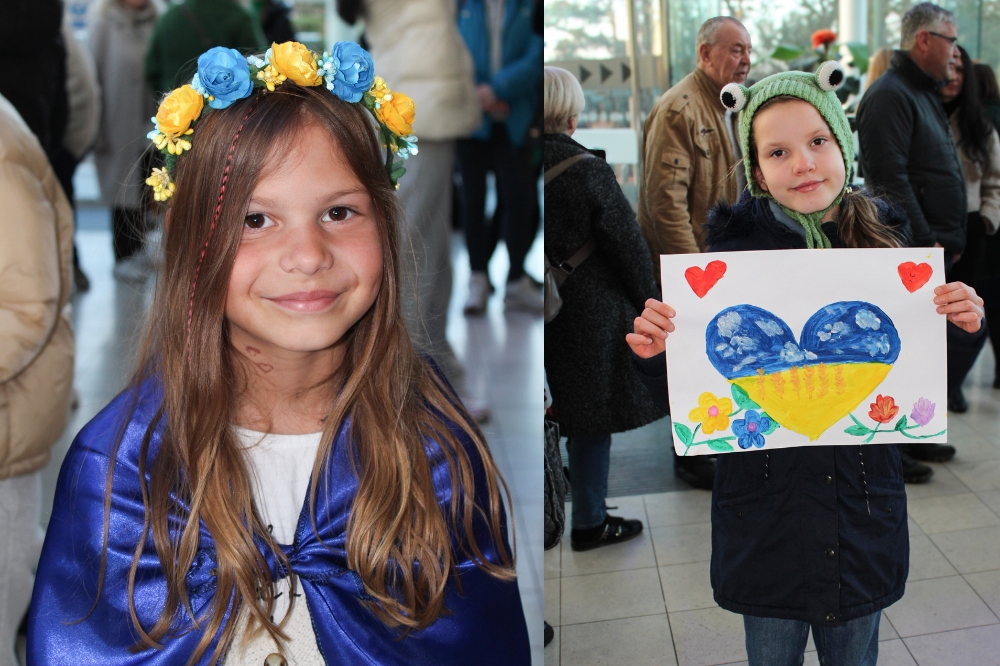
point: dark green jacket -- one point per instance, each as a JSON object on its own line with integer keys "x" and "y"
{"x": 186, "y": 31}
{"x": 908, "y": 155}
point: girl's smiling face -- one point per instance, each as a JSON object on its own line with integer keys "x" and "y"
{"x": 798, "y": 159}
{"x": 309, "y": 264}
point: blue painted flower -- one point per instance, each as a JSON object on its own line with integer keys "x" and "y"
{"x": 224, "y": 74}
{"x": 348, "y": 71}
{"x": 750, "y": 429}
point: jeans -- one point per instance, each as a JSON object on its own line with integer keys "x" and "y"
{"x": 773, "y": 642}
{"x": 589, "y": 459}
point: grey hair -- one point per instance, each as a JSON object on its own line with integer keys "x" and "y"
{"x": 563, "y": 99}
{"x": 925, "y": 16}
{"x": 710, "y": 29}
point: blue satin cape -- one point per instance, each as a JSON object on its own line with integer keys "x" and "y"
{"x": 484, "y": 623}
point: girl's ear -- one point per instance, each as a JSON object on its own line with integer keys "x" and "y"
{"x": 758, "y": 175}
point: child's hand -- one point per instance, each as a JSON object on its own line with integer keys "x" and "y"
{"x": 651, "y": 329}
{"x": 962, "y": 304}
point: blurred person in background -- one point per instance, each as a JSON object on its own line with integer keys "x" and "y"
{"x": 878, "y": 64}
{"x": 989, "y": 284}
{"x": 443, "y": 89}
{"x": 84, "y": 111}
{"x": 507, "y": 55}
{"x": 594, "y": 390}
{"x": 275, "y": 20}
{"x": 689, "y": 145}
{"x": 119, "y": 37}
{"x": 36, "y": 353}
{"x": 979, "y": 147}
{"x": 190, "y": 28}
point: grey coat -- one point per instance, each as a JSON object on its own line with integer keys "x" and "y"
{"x": 594, "y": 390}
{"x": 118, "y": 41}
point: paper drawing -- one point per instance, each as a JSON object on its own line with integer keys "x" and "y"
{"x": 746, "y": 381}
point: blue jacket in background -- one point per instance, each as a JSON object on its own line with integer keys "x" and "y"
{"x": 519, "y": 81}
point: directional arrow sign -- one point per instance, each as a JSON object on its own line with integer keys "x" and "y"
{"x": 584, "y": 73}
{"x": 626, "y": 72}
{"x": 605, "y": 73}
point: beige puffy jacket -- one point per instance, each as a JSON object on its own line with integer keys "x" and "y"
{"x": 36, "y": 334}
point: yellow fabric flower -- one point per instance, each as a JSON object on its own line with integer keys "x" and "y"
{"x": 712, "y": 413}
{"x": 159, "y": 180}
{"x": 296, "y": 62}
{"x": 181, "y": 108}
{"x": 396, "y": 110}
{"x": 271, "y": 77}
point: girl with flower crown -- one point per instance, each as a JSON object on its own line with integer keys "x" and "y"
{"x": 811, "y": 538}
{"x": 285, "y": 480}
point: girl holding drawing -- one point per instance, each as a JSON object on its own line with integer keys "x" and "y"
{"x": 286, "y": 479}
{"x": 811, "y": 536}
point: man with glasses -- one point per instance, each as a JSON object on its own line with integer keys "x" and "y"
{"x": 909, "y": 157}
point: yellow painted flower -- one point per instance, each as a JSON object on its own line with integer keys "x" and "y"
{"x": 296, "y": 62}
{"x": 181, "y": 108}
{"x": 396, "y": 111}
{"x": 712, "y": 413}
{"x": 159, "y": 180}
{"x": 271, "y": 77}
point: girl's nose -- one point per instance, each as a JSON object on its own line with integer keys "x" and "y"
{"x": 306, "y": 250}
{"x": 804, "y": 162}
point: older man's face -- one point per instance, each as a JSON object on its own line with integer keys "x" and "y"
{"x": 941, "y": 51}
{"x": 729, "y": 57}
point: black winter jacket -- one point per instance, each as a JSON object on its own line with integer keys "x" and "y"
{"x": 594, "y": 392}
{"x": 908, "y": 155}
{"x": 792, "y": 537}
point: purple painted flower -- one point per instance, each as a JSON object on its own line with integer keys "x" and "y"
{"x": 923, "y": 411}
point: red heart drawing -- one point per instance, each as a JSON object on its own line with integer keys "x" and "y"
{"x": 702, "y": 281}
{"x": 914, "y": 276}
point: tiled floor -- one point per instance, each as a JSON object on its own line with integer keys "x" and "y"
{"x": 503, "y": 354}
{"x": 649, "y": 601}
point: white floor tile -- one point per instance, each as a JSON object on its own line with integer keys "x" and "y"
{"x": 636, "y": 641}
{"x": 971, "y": 550}
{"x": 949, "y": 513}
{"x": 938, "y": 604}
{"x": 611, "y": 596}
{"x": 975, "y": 647}
{"x": 894, "y": 653}
{"x": 687, "y": 587}
{"x": 681, "y": 544}
{"x": 926, "y": 561}
{"x": 707, "y": 637}
{"x": 552, "y": 601}
{"x": 679, "y": 508}
{"x": 987, "y": 586}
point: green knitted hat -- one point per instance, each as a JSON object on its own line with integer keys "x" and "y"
{"x": 816, "y": 89}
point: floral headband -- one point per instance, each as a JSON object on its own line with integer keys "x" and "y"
{"x": 224, "y": 76}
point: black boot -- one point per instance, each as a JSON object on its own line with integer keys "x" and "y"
{"x": 914, "y": 472}
{"x": 699, "y": 471}
{"x": 613, "y": 530}
{"x": 550, "y": 633}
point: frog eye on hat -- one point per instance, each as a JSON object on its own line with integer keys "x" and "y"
{"x": 734, "y": 96}
{"x": 830, "y": 75}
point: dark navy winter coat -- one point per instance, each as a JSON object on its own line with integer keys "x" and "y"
{"x": 792, "y": 536}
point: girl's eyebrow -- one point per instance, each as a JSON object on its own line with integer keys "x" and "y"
{"x": 330, "y": 196}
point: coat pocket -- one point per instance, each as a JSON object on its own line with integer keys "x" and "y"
{"x": 676, "y": 166}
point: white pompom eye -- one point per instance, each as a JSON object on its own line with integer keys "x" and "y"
{"x": 734, "y": 96}
{"x": 830, "y": 75}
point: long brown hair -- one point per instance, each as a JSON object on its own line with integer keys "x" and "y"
{"x": 858, "y": 220}
{"x": 385, "y": 391}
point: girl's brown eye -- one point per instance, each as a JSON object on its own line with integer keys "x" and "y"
{"x": 255, "y": 220}
{"x": 339, "y": 214}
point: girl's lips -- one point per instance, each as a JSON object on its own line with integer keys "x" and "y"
{"x": 808, "y": 187}
{"x": 306, "y": 301}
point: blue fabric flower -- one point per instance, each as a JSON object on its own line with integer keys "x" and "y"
{"x": 224, "y": 74}
{"x": 348, "y": 71}
{"x": 750, "y": 429}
